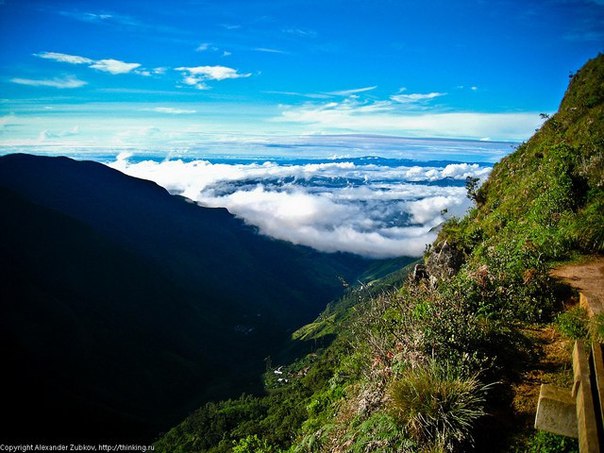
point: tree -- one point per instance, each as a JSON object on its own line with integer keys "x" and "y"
{"x": 473, "y": 190}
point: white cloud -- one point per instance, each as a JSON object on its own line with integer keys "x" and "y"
{"x": 64, "y": 58}
{"x": 150, "y": 72}
{"x": 127, "y": 136}
{"x": 353, "y": 91}
{"x": 195, "y": 81}
{"x": 301, "y": 32}
{"x": 427, "y": 210}
{"x": 109, "y": 65}
{"x": 114, "y": 66}
{"x": 370, "y": 209}
{"x": 171, "y": 110}
{"x": 268, "y": 50}
{"x": 202, "y": 47}
{"x": 415, "y": 97}
{"x": 295, "y": 93}
{"x": 214, "y": 72}
{"x": 463, "y": 87}
{"x": 331, "y": 111}
{"x": 48, "y": 134}
{"x": 61, "y": 83}
{"x": 226, "y": 53}
{"x": 198, "y": 75}
{"x": 93, "y": 17}
{"x": 462, "y": 171}
{"x": 352, "y": 115}
{"x": 318, "y": 222}
{"x": 6, "y": 122}
{"x": 121, "y": 21}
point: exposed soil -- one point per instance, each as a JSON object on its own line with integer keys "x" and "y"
{"x": 552, "y": 365}
{"x": 547, "y": 361}
{"x": 551, "y": 362}
{"x": 587, "y": 277}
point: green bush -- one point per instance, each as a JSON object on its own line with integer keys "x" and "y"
{"x": 543, "y": 442}
{"x": 588, "y": 229}
{"x": 437, "y": 406}
{"x": 596, "y": 328}
{"x": 252, "y": 444}
{"x": 379, "y": 432}
{"x": 573, "y": 323}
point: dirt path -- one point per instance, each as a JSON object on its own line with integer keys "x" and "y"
{"x": 551, "y": 362}
{"x": 550, "y": 365}
{"x": 588, "y": 278}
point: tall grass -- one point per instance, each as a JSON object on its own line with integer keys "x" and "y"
{"x": 438, "y": 406}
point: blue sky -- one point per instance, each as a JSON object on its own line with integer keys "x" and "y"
{"x": 152, "y": 74}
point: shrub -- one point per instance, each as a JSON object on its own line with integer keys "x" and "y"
{"x": 379, "y": 432}
{"x": 543, "y": 442}
{"x": 313, "y": 442}
{"x": 596, "y": 328}
{"x": 437, "y": 406}
{"x": 588, "y": 230}
{"x": 573, "y": 323}
{"x": 253, "y": 444}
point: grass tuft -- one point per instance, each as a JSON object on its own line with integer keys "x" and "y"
{"x": 437, "y": 405}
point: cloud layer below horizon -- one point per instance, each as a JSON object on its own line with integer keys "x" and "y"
{"x": 377, "y": 210}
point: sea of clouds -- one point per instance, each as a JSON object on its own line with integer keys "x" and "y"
{"x": 374, "y": 207}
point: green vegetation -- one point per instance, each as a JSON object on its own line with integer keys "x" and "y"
{"x": 544, "y": 442}
{"x": 596, "y": 328}
{"x": 252, "y": 444}
{"x": 298, "y": 396}
{"x": 415, "y": 366}
{"x": 436, "y": 405}
{"x": 573, "y": 323}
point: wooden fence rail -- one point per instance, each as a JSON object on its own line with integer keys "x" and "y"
{"x": 578, "y": 412}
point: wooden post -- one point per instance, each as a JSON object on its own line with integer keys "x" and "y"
{"x": 586, "y": 415}
{"x": 556, "y": 412}
{"x": 596, "y": 363}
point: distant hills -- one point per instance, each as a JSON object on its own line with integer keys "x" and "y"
{"x": 124, "y": 307}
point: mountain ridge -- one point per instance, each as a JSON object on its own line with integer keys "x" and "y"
{"x": 133, "y": 306}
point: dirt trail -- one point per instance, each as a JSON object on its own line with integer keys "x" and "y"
{"x": 551, "y": 362}
{"x": 588, "y": 278}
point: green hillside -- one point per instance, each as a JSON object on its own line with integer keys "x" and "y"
{"x": 440, "y": 362}
{"x": 548, "y": 194}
